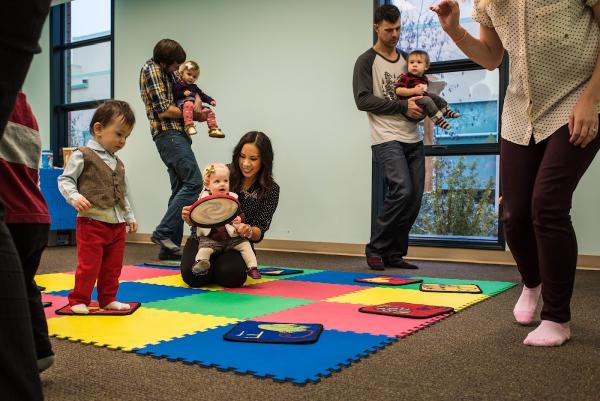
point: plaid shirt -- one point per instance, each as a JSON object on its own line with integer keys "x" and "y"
{"x": 409, "y": 80}
{"x": 157, "y": 95}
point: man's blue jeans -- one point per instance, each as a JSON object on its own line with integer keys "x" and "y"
{"x": 175, "y": 150}
{"x": 403, "y": 168}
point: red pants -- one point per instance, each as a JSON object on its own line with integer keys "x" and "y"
{"x": 100, "y": 249}
{"x": 188, "y": 115}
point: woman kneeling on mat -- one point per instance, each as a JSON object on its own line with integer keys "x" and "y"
{"x": 251, "y": 178}
{"x": 221, "y": 237}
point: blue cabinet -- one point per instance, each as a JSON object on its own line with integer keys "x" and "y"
{"x": 62, "y": 215}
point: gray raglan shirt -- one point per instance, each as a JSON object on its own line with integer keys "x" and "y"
{"x": 374, "y": 85}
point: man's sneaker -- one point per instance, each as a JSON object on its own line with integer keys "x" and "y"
{"x": 200, "y": 267}
{"x": 375, "y": 262}
{"x": 400, "y": 263}
{"x": 216, "y": 133}
{"x": 254, "y": 273}
{"x": 166, "y": 255}
{"x": 167, "y": 244}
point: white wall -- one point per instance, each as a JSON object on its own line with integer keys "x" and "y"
{"x": 37, "y": 86}
{"x": 284, "y": 67}
{"x": 586, "y": 211}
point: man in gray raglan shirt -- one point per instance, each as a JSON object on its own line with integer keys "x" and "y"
{"x": 396, "y": 145}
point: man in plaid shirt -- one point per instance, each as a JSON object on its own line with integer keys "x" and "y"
{"x": 157, "y": 77}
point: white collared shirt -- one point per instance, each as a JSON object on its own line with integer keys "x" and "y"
{"x": 553, "y": 46}
{"x": 67, "y": 184}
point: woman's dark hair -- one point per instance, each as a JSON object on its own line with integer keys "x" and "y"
{"x": 167, "y": 52}
{"x": 387, "y": 12}
{"x": 111, "y": 110}
{"x": 265, "y": 175}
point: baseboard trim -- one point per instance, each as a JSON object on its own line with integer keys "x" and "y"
{"x": 457, "y": 255}
{"x": 414, "y": 252}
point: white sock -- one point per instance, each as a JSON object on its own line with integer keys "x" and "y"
{"x": 80, "y": 309}
{"x": 527, "y": 304}
{"x": 116, "y": 305}
{"x": 549, "y": 334}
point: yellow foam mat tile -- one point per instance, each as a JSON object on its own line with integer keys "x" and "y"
{"x": 265, "y": 279}
{"x": 375, "y": 296}
{"x": 177, "y": 281}
{"x": 144, "y": 326}
{"x": 56, "y": 281}
{"x": 173, "y": 281}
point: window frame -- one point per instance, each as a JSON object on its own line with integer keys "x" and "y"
{"x": 483, "y": 149}
{"x": 59, "y": 46}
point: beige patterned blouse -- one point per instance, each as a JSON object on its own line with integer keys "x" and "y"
{"x": 553, "y": 46}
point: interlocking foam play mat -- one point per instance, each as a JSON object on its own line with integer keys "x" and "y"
{"x": 187, "y": 324}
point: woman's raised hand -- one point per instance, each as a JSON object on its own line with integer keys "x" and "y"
{"x": 448, "y": 13}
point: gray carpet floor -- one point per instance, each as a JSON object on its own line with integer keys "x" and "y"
{"x": 476, "y": 354}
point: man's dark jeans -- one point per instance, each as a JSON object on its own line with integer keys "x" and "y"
{"x": 176, "y": 152}
{"x": 403, "y": 167}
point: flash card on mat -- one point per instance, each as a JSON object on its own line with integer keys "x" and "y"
{"x": 388, "y": 280}
{"x": 268, "y": 332}
{"x": 95, "y": 310}
{"x": 278, "y": 271}
{"x": 405, "y": 309}
{"x": 463, "y": 288}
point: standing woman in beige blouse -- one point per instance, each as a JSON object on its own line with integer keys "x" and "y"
{"x": 549, "y": 136}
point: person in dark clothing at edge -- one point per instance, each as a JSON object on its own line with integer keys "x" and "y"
{"x": 19, "y": 34}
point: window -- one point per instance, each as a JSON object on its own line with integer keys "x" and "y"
{"x": 421, "y": 29}
{"x": 81, "y": 68}
{"x": 460, "y": 202}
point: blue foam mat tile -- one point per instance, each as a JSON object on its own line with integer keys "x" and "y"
{"x": 130, "y": 291}
{"x": 334, "y": 277}
{"x": 298, "y": 363}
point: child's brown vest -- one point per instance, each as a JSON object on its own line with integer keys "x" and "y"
{"x": 100, "y": 185}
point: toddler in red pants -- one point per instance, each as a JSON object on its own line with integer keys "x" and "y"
{"x": 93, "y": 182}
{"x": 188, "y": 96}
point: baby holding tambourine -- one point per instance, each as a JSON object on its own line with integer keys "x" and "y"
{"x": 219, "y": 236}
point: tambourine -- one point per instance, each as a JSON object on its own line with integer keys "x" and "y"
{"x": 214, "y": 210}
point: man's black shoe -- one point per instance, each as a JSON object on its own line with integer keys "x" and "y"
{"x": 400, "y": 264}
{"x": 168, "y": 256}
{"x": 167, "y": 244}
{"x": 375, "y": 263}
